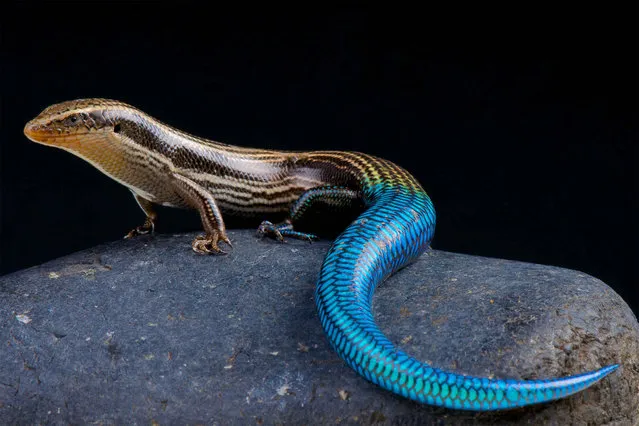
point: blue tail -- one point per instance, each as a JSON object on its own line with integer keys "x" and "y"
{"x": 395, "y": 229}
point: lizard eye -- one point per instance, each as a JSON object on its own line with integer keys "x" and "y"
{"x": 72, "y": 119}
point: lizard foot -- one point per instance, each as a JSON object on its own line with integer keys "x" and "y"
{"x": 148, "y": 227}
{"x": 281, "y": 230}
{"x": 208, "y": 244}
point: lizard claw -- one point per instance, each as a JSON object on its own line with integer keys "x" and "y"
{"x": 283, "y": 229}
{"x": 148, "y": 227}
{"x": 267, "y": 228}
{"x": 208, "y": 244}
{"x": 226, "y": 240}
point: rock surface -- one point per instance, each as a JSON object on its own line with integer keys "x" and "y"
{"x": 147, "y": 331}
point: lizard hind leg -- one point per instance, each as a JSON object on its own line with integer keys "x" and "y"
{"x": 336, "y": 196}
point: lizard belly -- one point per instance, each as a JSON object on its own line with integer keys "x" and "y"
{"x": 156, "y": 189}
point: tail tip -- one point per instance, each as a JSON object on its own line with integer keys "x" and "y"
{"x": 608, "y": 369}
{"x": 599, "y": 374}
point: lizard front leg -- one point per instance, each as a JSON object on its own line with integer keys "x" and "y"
{"x": 199, "y": 198}
{"x": 151, "y": 215}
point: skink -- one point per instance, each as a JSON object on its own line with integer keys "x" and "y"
{"x": 163, "y": 165}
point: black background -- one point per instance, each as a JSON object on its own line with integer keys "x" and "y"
{"x": 520, "y": 122}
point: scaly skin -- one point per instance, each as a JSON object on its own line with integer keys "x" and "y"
{"x": 162, "y": 165}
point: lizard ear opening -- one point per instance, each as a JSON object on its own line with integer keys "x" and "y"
{"x": 117, "y": 128}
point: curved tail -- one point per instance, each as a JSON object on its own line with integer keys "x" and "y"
{"x": 395, "y": 229}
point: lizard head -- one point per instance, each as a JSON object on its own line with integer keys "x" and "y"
{"x": 91, "y": 129}
{"x": 68, "y": 124}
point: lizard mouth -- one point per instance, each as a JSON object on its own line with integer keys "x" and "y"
{"x": 39, "y": 133}
{"x": 47, "y": 135}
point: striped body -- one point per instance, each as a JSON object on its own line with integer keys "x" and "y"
{"x": 162, "y": 165}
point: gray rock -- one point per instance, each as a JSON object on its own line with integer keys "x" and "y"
{"x": 146, "y": 331}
